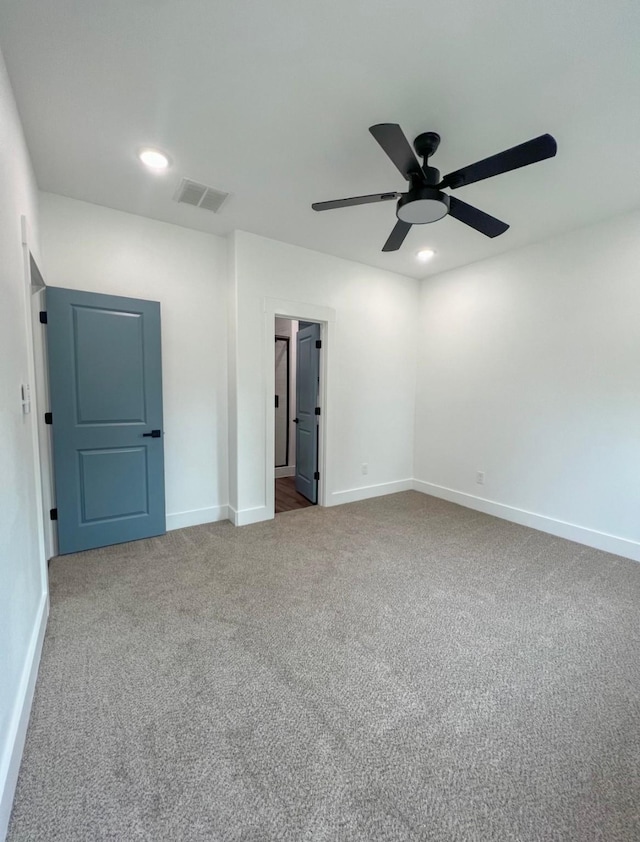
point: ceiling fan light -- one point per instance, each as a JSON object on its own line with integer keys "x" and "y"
{"x": 422, "y": 205}
{"x": 154, "y": 159}
{"x": 425, "y": 254}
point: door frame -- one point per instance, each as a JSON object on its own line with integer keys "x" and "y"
{"x": 34, "y": 285}
{"x": 38, "y": 304}
{"x": 325, "y": 317}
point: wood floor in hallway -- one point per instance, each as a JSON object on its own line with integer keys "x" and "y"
{"x": 287, "y": 498}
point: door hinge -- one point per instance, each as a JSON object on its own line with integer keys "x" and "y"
{"x": 317, "y": 410}
{"x": 318, "y": 343}
{"x": 43, "y": 317}
{"x": 316, "y": 475}
{"x": 277, "y": 401}
{"x": 48, "y": 418}
{"x": 53, "y": 514}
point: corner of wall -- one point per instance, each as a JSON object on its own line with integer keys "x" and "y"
{"x": 526, "y": 370}
{"x": 232, "y": 373}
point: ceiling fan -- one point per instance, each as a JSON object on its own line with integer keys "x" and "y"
{"x": 424, "y": 201}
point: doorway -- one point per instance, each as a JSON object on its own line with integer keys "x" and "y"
{"x": 296, "y": 414}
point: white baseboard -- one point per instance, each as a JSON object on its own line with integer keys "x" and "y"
{"x": 244, "y": 517}
{"x": 178, "y": 520}
{"x": 352, "y": 495}
{"x": 13, "y": 743}
{"x": 286, "y": 471}
{"x": 570, "y": 531}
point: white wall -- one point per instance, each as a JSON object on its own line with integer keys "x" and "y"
{"x": 370, "y": 369}
{"x": 529, "y": 370}
{"x": 93, "y": 248}
{"x": 23, "y": 589}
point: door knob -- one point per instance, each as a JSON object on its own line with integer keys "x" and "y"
{"x": 296, "y": 421}
{"x": 154, "y": 434}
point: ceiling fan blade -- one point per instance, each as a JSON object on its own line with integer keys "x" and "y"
{"x": 511, "y": 159}
{"x": 481, "y": 221}
{"x": 391, "y": 137}
{"x": 355, "y": 200}
{"x": 396, "y": 237}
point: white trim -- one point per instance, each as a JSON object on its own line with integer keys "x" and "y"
{"x": 352, "y": 495}
{"x": 285, "y": 471}
{"x": 38, "y": 303}
{"x": 40, "y": 460}
{"x": 244, "y": 517}
{"x": 563, "y": 529}
{"x": 325, "y": 317}
{"x": 194, "y": 517}
{"x": 11, "y": 751}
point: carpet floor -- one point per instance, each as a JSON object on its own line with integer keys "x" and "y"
{"x": 396, "y": 669}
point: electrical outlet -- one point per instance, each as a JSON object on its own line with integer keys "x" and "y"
{"x": 365, "y": 468}
{"x": 480, "y": 477}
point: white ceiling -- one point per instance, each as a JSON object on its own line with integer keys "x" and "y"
{"x": 271, "y": 101}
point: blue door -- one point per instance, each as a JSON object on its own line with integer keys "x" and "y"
{"x": 307, "y": 383}
{"x": 105, "y": 383}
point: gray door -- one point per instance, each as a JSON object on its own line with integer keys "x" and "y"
{"x": 307, "y": 382}
{"x": 105, "y": 382}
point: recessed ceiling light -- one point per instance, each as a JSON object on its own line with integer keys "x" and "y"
{"x": 153, "y": 158}
{"x": 425, "y": 254}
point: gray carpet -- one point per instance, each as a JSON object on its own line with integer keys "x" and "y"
{"x": 397, "y": 669}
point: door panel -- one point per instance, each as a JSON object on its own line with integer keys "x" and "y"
{"x": 105, "y": 380}
{"x": 307, "y": 382}
{"x": 113, "y": 482}
{"x": 110, "y": 387}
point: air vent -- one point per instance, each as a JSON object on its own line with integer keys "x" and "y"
{"x": 200, "y": 196}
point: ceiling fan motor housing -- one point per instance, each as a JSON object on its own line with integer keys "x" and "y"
{"x": 421, "y": 205}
